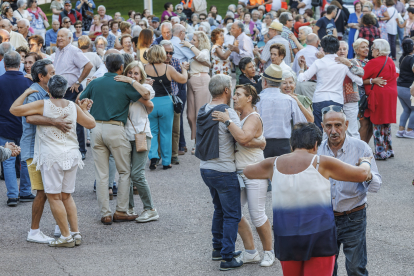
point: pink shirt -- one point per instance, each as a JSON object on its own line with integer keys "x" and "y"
{"x": 95, "y": 28}
{"x": 69, "y": 63}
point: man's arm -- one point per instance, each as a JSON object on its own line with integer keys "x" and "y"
{"x": 60, "y": 122}
{"x": 85, "y": 72}
{"x": 308, "y": 74}
{"x": 335, "y": 33}
{"x": 376, "y": 179}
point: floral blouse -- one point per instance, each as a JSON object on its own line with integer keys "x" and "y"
{"x": 219, "y": 66}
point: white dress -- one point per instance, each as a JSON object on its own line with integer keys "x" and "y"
{"x": 54, "y": 146}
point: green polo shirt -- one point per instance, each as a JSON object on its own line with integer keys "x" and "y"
{"x": 110, "y": 98}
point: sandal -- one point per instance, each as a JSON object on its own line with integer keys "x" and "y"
{"x": 193, "y": 151}
{"x": 111, "y": 194}
{"x": 135, "y": 189}
{"x": 167, "y": 167}
{"x": 153, "y": 164}
{"x": 61, "y": 242}
{"x": 88, "y": 143}
{"x": 78, "y": 238}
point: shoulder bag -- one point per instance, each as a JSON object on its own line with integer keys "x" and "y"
{"x": 140, "y": 138}
{"x": 363, "y": 102}
{"x": 178, "y": 104}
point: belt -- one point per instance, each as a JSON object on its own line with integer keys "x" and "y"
{"x": 111, "y": 122}
{"x": 358, "y": 208}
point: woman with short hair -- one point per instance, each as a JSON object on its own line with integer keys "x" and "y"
{"x": 168, "y": 13}
{"x": 38, "y": 18}
{"x": 248, "y": 74}
{"x": 36, "y": 45}
{"x": 126, "y": 43}
{"x": 78, "y": 32}
{"x": 29, "y": 60}
{"x": 100, "y": 46}
{"x": 21, "y": 12}
{"x": 8, "y": 14}
{"x": 219, "y": 57}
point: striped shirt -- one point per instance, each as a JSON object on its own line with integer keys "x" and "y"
{"x": 177, "y": 66}
{"x": 285, "y": 34}
{"x": 69, "y": 63}
{"x": 348, "y": 195}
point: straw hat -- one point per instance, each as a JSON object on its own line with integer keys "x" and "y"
{"x": 276, "y": 26}
{"x": 273, "y": 73}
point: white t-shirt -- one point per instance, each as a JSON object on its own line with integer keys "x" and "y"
{"x": 308, "y": 6}
{"x": 96, "y": 62}
{"x": 276, "y": 5}
{"x": 392, "y": 23}
{"x": 18, "y": 16}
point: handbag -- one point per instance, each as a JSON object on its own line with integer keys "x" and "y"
{"x": 46, "y": 23}
{"x": 363, "y": 102}
{"x": 177, "y": 102}
{"x": 140, "y": 138}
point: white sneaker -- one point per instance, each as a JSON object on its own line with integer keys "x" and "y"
{"x": 39, "y": 238}
{"x": 249, "y": 258}
{"x": 268, "y": 259}
{"x": 57, "y": 231}
{"x": 147, "y": 215}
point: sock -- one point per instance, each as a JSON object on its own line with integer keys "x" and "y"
{"x": 57, "y": 229}
{"x": 73, "y": 233}
{"x": 34, "y": 232}
{"x": 251, "y": 251}
{"x": 66, "y": 238}
{"x": 273, "y": 251}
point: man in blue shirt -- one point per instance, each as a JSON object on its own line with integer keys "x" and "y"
{"x": 166, "y": 33}
{"x": 6, "y": 47}
{"x": 13, "y": 84}
{"x": 326, "y": 24}
{"x": 51, "y": 35}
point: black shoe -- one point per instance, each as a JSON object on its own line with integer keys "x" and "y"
{"x": 114, "y": 189}
{"x": 28, "y": 198}
{"x": 94, "y": 186}
{"x": 233, "y": 264}
{"x": 88, "y": 144}
{"x": 12, "y": 202}
{"x": 153, "y": 164}
{"x": 175, "y": 161}
{"x": 83, "y": 156}
{"x": 1, "y": 176}
{"x": 167, "y": 167}
{"x": 216, "y": 255}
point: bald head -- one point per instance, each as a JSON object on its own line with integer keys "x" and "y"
{"x": 23, "y": 27}
{"x": 5, "y": 35}
{"x": 6, "y": 25}
{"x": 63, "y": 38}
{"x": 312, "y": 39}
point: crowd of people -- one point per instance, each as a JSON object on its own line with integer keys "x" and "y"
{"x": 313, "y": 85}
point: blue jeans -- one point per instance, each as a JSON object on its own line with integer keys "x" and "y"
{"x": 392, "y": 41}
{"x": 351, "y": 233}
{"x": 225, "y": 191}
{"x": 408, "y": 110}
{"x": 400, "y": 32}
{"x": 317, "y": 111}
{"x": 10, "y": 174}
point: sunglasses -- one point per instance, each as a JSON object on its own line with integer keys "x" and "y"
{"x": 66, "y": 22}
{"x": 335, "y": 108}
{"x": 169, "y": 53}
{"x": 202, "y": 18}
{"x": 179, "y": 9}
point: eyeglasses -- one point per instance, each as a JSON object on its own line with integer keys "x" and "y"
{"x": 78, "y": 27}
{"x": 335, "y": 108}
{"x": 202, "y": 18}
{"x": 179, "y": 9}
{"x": 31, "y": 45}
{"x": 169, "y": 53}
{"x": 65, "y": 22}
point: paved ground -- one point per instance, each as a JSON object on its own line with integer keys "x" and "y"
{"x": 180, "y": 242}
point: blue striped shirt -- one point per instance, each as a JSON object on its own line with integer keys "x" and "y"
{"x": 348, "y": 195}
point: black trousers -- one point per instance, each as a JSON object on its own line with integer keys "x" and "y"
{"x": 71, "y": 96}
{"x": 182, "y": 94}
{"x": 276, "y": 147}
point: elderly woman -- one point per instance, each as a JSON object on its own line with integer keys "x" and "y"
{"x": 162, "y": 117}
{"x": 8, "y": 14}
{"x": 245, "y": 99}
{"x": 35, "y": 45}
{"x": 197, "y": 86}
{"x": 353, "y": 24}
{"x": 126, "y": 43}
{"x": 78, "y": 32}
{"x": 100, "y": 45}
{"x": 288, "y": 86}
{"x": 195, "y": 19}
{"x": 382, "y": 99}
{"x": 368, "y": 30}
{"x": 277, "y": 55}
{"x": 248, "y": 75}
{"x": 38, "y": 18}
{"x": 249, "y": 26}
{"x": 219, "y": 57}
{"x": 21, "y": 11}
{"x": 404, "y": 82}
{"x": 57, "y": 154}
{"x": 168, "y": 13}
{"x": 303, "y": 33}
{"x": 180, "y": 12}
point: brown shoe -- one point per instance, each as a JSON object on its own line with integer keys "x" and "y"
{"x": 124, "y": 216}
{"x": 106, "y": 220}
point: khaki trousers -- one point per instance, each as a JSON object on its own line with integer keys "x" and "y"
{"x": 197, "y": 96}
{"x": 175, "y": 134}
{"x": 107, "y": 139}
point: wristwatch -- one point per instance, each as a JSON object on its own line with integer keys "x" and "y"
{"x": 132, "y": 82}
{"x": 77, "y": 82}
{"x": 228, "y": 122}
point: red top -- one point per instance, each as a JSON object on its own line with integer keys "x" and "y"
{"x": 298, "y": 25}
{"x": 382, "y": 101}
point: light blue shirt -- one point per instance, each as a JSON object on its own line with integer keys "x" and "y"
{"x": 3, "y": 70}
{"x": 183, "y": 54}
{"x": 277, "y": 111}
{"x": 51, "y": 37}
{"x": 27, "y": 141}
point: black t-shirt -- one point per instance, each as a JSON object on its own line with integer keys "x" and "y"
{"x": 406, "y": 72}
{"x": 258, "y": 82}
{"x": 326, "y": 26}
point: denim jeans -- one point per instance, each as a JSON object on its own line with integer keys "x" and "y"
{"x": 392, "y": 41}
{"x": 225, "y": 191}
{"x": 400, "y": 32}
{"x": 182, "y": 94}
{"x": 317, "y": 111}
{"x": 408, "y": 110}
{"x": 10, "y": 174}
{"x": 351, "y": 233}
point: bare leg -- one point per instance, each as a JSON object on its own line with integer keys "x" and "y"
{"x": 265, "y": 234}
{"x": 246, "y": 234}
{"x": 59, "y": 213}
{"x": 366, "y": 130}
{"x": 37, "y": 208}
{"x": 71, "y": 211}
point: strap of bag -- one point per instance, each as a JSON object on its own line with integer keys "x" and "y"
{"x": 166, "y": 90}
{"x": 337, "y": 15}
{"x": 145, "y": 126}
{"x": 390, "y": 17}
{"x": 386, "y": 59}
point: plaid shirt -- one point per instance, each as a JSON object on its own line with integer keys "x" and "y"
{"x": 285, "y": 34}
{"x": 369, "y": 33}
{"x": 177, "y": 66}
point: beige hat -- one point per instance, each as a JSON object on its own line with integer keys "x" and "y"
{"x": 273, "y": 73}
{"x": 276, "y": 26}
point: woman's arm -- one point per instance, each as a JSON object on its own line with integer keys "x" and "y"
{"x": 385, "y": 17}
{"x": 34, "y": 108}
{"x": 145, "y": 93}
{"x": 306, "y": 111}
{"x": 221, "y": 54}
{"x": 149, "y": 106}
{"x": 377, "y": 81}
{"x": 261, "y": 170}
{"x": 401, "y": 25}
{"x": 85, "y": 118}
{"x": 333, "y": 168}
{"x": 176, "y": 76}
{"x": 296, "y": 41}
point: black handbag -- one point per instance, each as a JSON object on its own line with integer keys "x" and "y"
{"x": 177, "y": 102}
{"x": 363, "y": 102}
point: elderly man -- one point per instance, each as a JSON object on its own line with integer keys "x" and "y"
{"x": 13, "y": 84}
{"x": 72, "y": 14}
{"x": 42, "y": 70}
{"x": 4, "y": 48}
{"x": 243, "y": 46}
{"x": 72, "y": 64}
{"x": 215, "y": 149}
{"x": 166, "y": 33}
{"x": 155, "y": 26}
{"x": 277, "y": 111}
{"x": 307, "y": 88}
{"x": 16, "y": 39}
{"x": 110, "y": 38}
{"x": 274, "y": 32}
{"x": 349, "y": 199}
{"x": 110, "y": 111}
{"x": 23, "y": 26}
{"x": 286, "y": 19}
{"x": 267, "y": 21}
{"x": 51, "y": 35}
{"x": 103, "y": 16}
{"x": 330, "y": 77}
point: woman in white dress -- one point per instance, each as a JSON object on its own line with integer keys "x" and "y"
{"x": 57, "y": 155}
{"x": 249, "y": 150}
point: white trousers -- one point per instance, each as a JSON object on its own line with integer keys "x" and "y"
{"x": 255, "y": 195}
{"x": 351, "y": 113}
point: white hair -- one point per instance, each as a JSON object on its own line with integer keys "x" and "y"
{"x": 27, "y": 23}
{"x": 178, "y": 5}
{"x": 166, "y": 42}
{"x": 20, "y": 3}
{"x": 136, "y": 30}
{"x": 306, "y": 29}
{"x": 101, "y": 6}
{"x": 175, "y": 19}
{"x": 358, "y": 42}
{"x": 68, "y": 32}
{"x": 228, "y": 27}
{"x": 230, "y": 14}
{"x": 232, "y": 7}
{"x": 343, "y": 42}
{"x": 206, "y": 26}
{"x": 383, "y": 46}
{"x": 255, "y": 11}
{"x": 288, "y": 74}
{"x": 167, "y": 25}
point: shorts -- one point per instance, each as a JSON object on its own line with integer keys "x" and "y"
{"x": 56, "y": 180}
{"x": 35, "y": 176}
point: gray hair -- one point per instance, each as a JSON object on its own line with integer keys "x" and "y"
{"x": 166, "y": 42}
{"x": 311, "y": 38}
{"x": 177, "y": 29}
{"x": 288, "y": 74}
{"x": 27, "y": 23}
{"x": 229, "y": 26}
{"x": 230, "y": 14}
{"x": 101, "y": 38}
{"x": 271, "y": 83}
{"x": 101, "y": 6}
{"x": 218, "y": 83}
{"x": 196, "y": 15}
{"x": 231, "y": 6}
{"x": 57, "y": 86}
{"x": 206, "y": 25}
{"x": 39, "y": 67}
{"x": 240, "y": 25}
{"x": 5, "y": 47}
{"x": 20, "y": 3}
{"x": 178, "y": 5}
{"x": 64, "y": 18}
{"x": 270, "y": 15}
{"x": 136, "y": 30}
{"x": 284, "y": 17}
{"x": 367, "y": 6}
{"x": 239, "y": 6}
{"x": 68, "y": 32}
{"x": 12, "y": 60}
{"x": 167, "y": 25}
{"x": 306, "y": 29}
{"x": 383, "y": 46}
{"x": 175, "y": 19}
{"x": 342, "y": 113}
{"x": 343, "y": 42}
{"x": 255, "y": 11}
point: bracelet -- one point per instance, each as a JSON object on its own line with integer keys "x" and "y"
{"x": 191, "y": 46}
{"x": 370, "y": 81}
{"x": 365, "y": 162}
